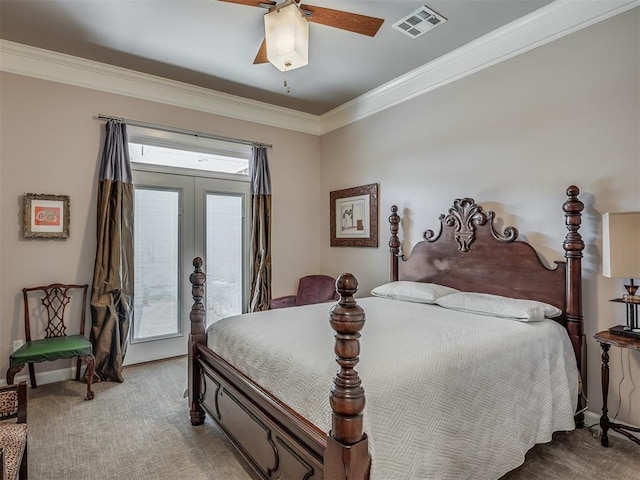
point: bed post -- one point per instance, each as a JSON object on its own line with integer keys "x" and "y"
{"x": 196, "y": 337}
{"x": 394, "y": 241}
{"x": 573, "y": 247}
{"x": 347, "y": 453}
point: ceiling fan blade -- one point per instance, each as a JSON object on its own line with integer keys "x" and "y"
{"x": 261, "y": 57}
{"x": 251, "y": 3}
{"x": 352, "y": 22}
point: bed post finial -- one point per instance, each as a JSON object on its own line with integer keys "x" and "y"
{"x": 573, "y": 246}
{"x": 197, "y": 336}
{"x": 347, "y": 452}
{"x": 394, "y": 241}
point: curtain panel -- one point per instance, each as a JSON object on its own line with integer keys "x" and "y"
{"x": 112, "y": 288}
{"x": 260, "y": 294}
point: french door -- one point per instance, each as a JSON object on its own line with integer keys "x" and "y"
{"x": 179, "y": 217}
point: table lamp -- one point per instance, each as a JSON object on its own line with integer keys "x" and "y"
{"x": 621, "y": 259}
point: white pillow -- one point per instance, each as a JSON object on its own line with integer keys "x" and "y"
{"x": 412, "y": 291}
{"x": 497, "y": 306}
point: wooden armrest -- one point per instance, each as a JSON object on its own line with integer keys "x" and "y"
{"x": 22, "y": 402}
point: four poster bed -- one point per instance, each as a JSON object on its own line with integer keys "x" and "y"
{"x": 458, "y": 385}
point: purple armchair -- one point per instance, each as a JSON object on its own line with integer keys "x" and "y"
{"x": 311, "y": 289}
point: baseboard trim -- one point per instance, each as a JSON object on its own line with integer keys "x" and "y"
{"x": 43, "y": 378}
{"x": 592, "y": 420}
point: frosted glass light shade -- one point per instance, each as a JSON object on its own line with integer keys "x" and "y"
{"x": 287, "y": 34}
{"x": 621, "y": 245}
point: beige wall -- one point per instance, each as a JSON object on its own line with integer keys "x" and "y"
{"x": 52, "y": 142}
{"x": 513, "y": 137}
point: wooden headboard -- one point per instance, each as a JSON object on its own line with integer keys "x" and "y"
{"x": 470, "y": 254}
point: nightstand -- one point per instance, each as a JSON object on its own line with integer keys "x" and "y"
{"x": 607, "y": 339}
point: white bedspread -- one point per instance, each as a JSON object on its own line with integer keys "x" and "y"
{"x": 449, "y": 395}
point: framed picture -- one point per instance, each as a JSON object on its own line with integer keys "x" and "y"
{"x": 354, "y": 216}
{"x": 46, "y": 216}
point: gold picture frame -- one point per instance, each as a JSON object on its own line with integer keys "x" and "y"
{"x": 354, "y": 216}
{"x": 45, "y": 216}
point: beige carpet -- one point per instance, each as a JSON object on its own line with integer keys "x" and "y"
{"x": 140, "y": 430}
{"x": 136, "y": 430}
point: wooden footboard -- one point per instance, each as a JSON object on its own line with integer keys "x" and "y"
{"x": 276, "y": 441}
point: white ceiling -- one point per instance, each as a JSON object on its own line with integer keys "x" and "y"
{"x": 212, "y": 44}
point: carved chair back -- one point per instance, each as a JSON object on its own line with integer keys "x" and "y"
{"x": 55, "y": 300}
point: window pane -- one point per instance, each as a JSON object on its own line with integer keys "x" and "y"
{"x": 224, "y": 254}
{"x": 156, "y": 263}
{"x": 170, "y": 157}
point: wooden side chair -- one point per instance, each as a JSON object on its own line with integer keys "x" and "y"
{"x": 54, "y": 299}
{"x": 13, "y": 436}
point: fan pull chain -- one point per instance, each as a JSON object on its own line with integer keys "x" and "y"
{"x": 287, "y": 64}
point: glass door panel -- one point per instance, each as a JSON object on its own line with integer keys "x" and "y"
{"x": 157, "y": 264}
{"x": 224, "y": 249}
{"x": 163, "y": 252}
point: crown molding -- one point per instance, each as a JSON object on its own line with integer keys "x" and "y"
{"x": 57, "y": 67}
{"x": 549, "y": 23}
{"x": 545, "y": 25}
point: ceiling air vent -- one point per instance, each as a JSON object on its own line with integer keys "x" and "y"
{"x": 419, "y": 22}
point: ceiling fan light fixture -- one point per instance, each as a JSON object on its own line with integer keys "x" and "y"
{"x": 287, "y": 35}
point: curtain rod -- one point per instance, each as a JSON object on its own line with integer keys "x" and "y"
{"x": 137, "y": 123}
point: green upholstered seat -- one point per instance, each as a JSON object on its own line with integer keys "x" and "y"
{"x": 48, "y": 349}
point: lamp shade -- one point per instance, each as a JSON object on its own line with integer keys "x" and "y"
{"x": 621, "y": 245}
{"x": 287, "y": 35}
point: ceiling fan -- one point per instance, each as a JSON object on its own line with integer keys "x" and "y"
{"x": 352, "y": 22}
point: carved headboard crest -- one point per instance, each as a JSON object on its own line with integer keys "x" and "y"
{"x": 464, "y": 216}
